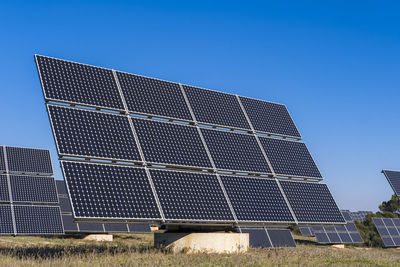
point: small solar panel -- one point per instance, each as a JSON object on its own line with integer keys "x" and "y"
{"x": 6, "y": 221}
{"x": 108, "y": 191}
{"x": 29, "y": 160}
{"x": 91, "y": 227}
{"x": 93, "y": 134}
{"x": 38, "y": 220}
{"x": 312, "y": 202}
{"x": 2, "y": 162}
{"x": 337, "y": 234}
{"x": 66, "y": 81}
{"x": 235, "y": 151}
{"x": 4, "y": 195}
{"x": 171, "y": 143}
{"x": 116, "y": 228}
{"x": 270, "y": 117}
{"x": 346, "y": 215}
{"x": 155, "y": 97}
{"x": 68, "y": 223}
{"x": 321, "y": 237}
{"x": 290, "y": 158}
{"x": 65, "y": 204}
{"x": 61, "y": 187}
{"x": 139, "y": 228}
{"x": 281, "y": 238}
{"x": 393, "y": 178}
{"x": 306, "y": 231}
{"x": 256, "y": 199}
{"x": 191, "y": 196}
{"x": 258, "y": 237}
{"x": 345, "y": 238}
{"x": 388, "y": 230}
{"x": 216, "y": 108}
{"x": 35, "y": 189}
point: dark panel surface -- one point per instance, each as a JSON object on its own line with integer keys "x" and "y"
{"x": 171, "y": 143}
{"x": 312, "y": 202}
{"x": 78, "y": 83}
{"x": 306, "y": 231}
{"x": 216, "y": 107}
{"x": 65, "y": 205}
{"x": 289, "y": 158}
{"x": 6, "y": 223}
{"x": 33, "y": 189}
{"x": 93, "y": 134}
{"x": 346, "y": 216}
{"x": 115, "y": 228}
{"x": 91, "y": 227}
{"x": 4, "y": 195}
{"x": 106, "y": 191}
{"x": 388, "y": 231}
{"x": 152, "y": 96}
{"x": 393, "y": 178}
{"x": 191, "y": 196}
{"x": 257, "y": 237}
{"x": 256, "y": 199}
{"x": 321, "y": 237}
{"x": 69, "y": 224}
{"x": 2, "y": 163}
{"x": 139, "y": 228}
{"x": 269, "y": 117}
{"x": 61, "y": 187}
{"x": 29, "y": 160}
{"x": 38, "y": 220}
{"x": 235, "y": 151}
{"x": 281, "y": 238}
{"x": 345, "y": 237}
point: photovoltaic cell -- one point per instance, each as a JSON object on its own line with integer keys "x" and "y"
{"x": 388, "y": 230}
{"x": 191, "y": 196}
{"x": 321, "y": 237}
{"x": 155, "y": 97}
{"x": 171, "y": 143}
{"x": 29, "y": 160}
{"x": 216, "y": 108}
{"x": 33, "y": 189}
{"x": 281, "y": 238}
{"x": 108, "y": 191}
{"x": 91, "y": 227}
{"x": 346, "y": 216}
{"x": 139, "y": 228}
{"x": 258, "y": 237}
{"x": 38, "y": 220}
{"x": 337, "y": 234}
{"x": 61, "y": 187}
{"x": 6, "y": 222}
{"x": 256, "y": 199}
{"x": 235, "y": 151}
{"x": 65, "y": 204}
{"x": 312, "y": 202}
{"x": 290, "y": 158}
{"x": 393, "y": 178}
{"x": 77, "y": 83}
{"x": 115, "y": 228}
{"x": 270, "y": 117}
{"x": 306, "y": 231}
{"x": 2, "y": 163}
{"x": 93, "y": 134}
{"x": 4, "y": 195}
{"x": 68, "y": 223}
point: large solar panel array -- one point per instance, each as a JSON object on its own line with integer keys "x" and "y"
{"x": 389, "y": 230}
{"x": 393, "y": 178}
{"x": 269, "y": 237}
{"x": 91, "y": 227}
{"x": 212, "y": 142}
{"x": 28, "y": 193}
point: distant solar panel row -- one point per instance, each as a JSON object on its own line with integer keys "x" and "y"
{"x": 269, "y": 238}
{"x": 393, "y": 178}
{"x": 80, "y": 84}
{"x": 25, "y": 160}
{"x": 109, "y": 191}
{"x": 389, "y": 230}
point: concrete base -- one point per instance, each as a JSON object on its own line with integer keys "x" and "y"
{"x": 203, "y": 242}
{"x": 99, "y": 238}
{"x": 154, "y": 228}
{"x": 338, "y": 246}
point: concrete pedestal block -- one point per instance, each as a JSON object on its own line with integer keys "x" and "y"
{"x": 154, "y": 228}
{"x": 99, "y": 237}
{"x": 338, "y": 246}
{"x": 203, "y": 242}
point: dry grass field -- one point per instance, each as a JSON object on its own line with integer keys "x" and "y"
{"x": 136, "y": 250}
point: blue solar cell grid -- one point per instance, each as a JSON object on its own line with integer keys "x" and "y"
{"x": 29, "y": 160}
{"x": 393, "y": 178}
{"x": 289, "y": 158}
{"x": 33, "y": 189}
{"x": 68, "y": 223}
{"x": 388, "y": 230}
{"x": 139, "y": 228}
{"x": 38, "y": 220}
{"x": 107, "y": 191}
{"x": 77, "y": 83}
{"x": 256, "y": 199}
{"x": 93, "y": 134}
{"x": 258, "y": 237}
{"x": 2, "y": 162}
{"x": 154, "y": 97}
{"x": 6, "y": 222}
{"x": 65, "y": 204}
{"x": 91, "y": 227}
{"x": 4, "y": 194}
{"x": 216, "y": 108}
{"x": 312, "y": 202}
{"x": 191, "y": 196}
{"x": 281, "y": 238}
{"x": 270, "y": 117}
{"x": 61, "y": 187}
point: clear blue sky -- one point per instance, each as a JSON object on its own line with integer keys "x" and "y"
{"x": 335, "y": 65}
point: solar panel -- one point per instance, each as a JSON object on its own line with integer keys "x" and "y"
{"x": 61, "y": 187}
{"x": 2, "y": 162}
{"x": 289, "y": 158}
{"x": 109, "y": 191}
{"x": 281, "y": 238}
{"x": 88, "y": 133}
{"x": 33, "y": 189}
{"x": 216, "y": 108}
{"x": 306, "y": 231}
{"x": 91, "y": 227}
{"x": 258, "y": 237}
{"x": 116, "y": 228}
{"x": 171, "y": 143}
{"x": 256, "y": 199}
{"x": 346, "y": 215}
{"x": 337, "y": 234}
{"x": 139, "y": 228}
{"x": 321, "y": 237}
{"x": 38, "y": 220}
{"x": 6, "y": 221}
{"x": 65, "y": 204}
{"x": 153, "y": 97}
{"x": 311, "y": 202}
{"x": 68, "y": 223}
{"x": 191, "y": 196}
{"x": 29, "y": 160}
{"x": 235, "y": 151}
{"x": 269, "y": 117}
{"x": 393, "y": 178}
{"x": 388, "y": 230}
{"x": 4, "y": 195}
{"x": 66, "y": 81}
